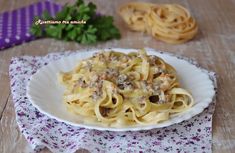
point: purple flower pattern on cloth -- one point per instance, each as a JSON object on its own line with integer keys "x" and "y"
{"x": 194, "y": 135}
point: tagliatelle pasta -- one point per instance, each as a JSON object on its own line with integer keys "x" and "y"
{"x": 118, "y": 90}
{"x": 135, "y": 15}
{"x": 170, "y": 23}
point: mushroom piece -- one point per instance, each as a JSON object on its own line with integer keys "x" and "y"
{"x": 154, "y": 99}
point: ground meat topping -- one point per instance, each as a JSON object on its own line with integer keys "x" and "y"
{"x": 98, "y": 84}
{"x": 81, "y": 83}
{"x": 108, "y": 74}
{"x": 121, "y": 78}
{"x": 96, "y": 95}
{"x": 148, "y": 87}
{"x": 152, "y": 60}
{"x": 94, "y": 78}
{"x": 112, "y": 72}
{"x": 104, "y": 111}
{"x": 123, "y": 82}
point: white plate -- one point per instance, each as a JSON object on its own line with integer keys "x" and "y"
{"x": 45, "y": 93}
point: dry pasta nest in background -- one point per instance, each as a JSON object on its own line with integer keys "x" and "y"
{"x": 170, "y": 23}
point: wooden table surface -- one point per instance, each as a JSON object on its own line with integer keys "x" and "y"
{"x": 213, "y": 48}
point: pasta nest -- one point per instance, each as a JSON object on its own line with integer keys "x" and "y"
{"x": 171, "y": 23}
